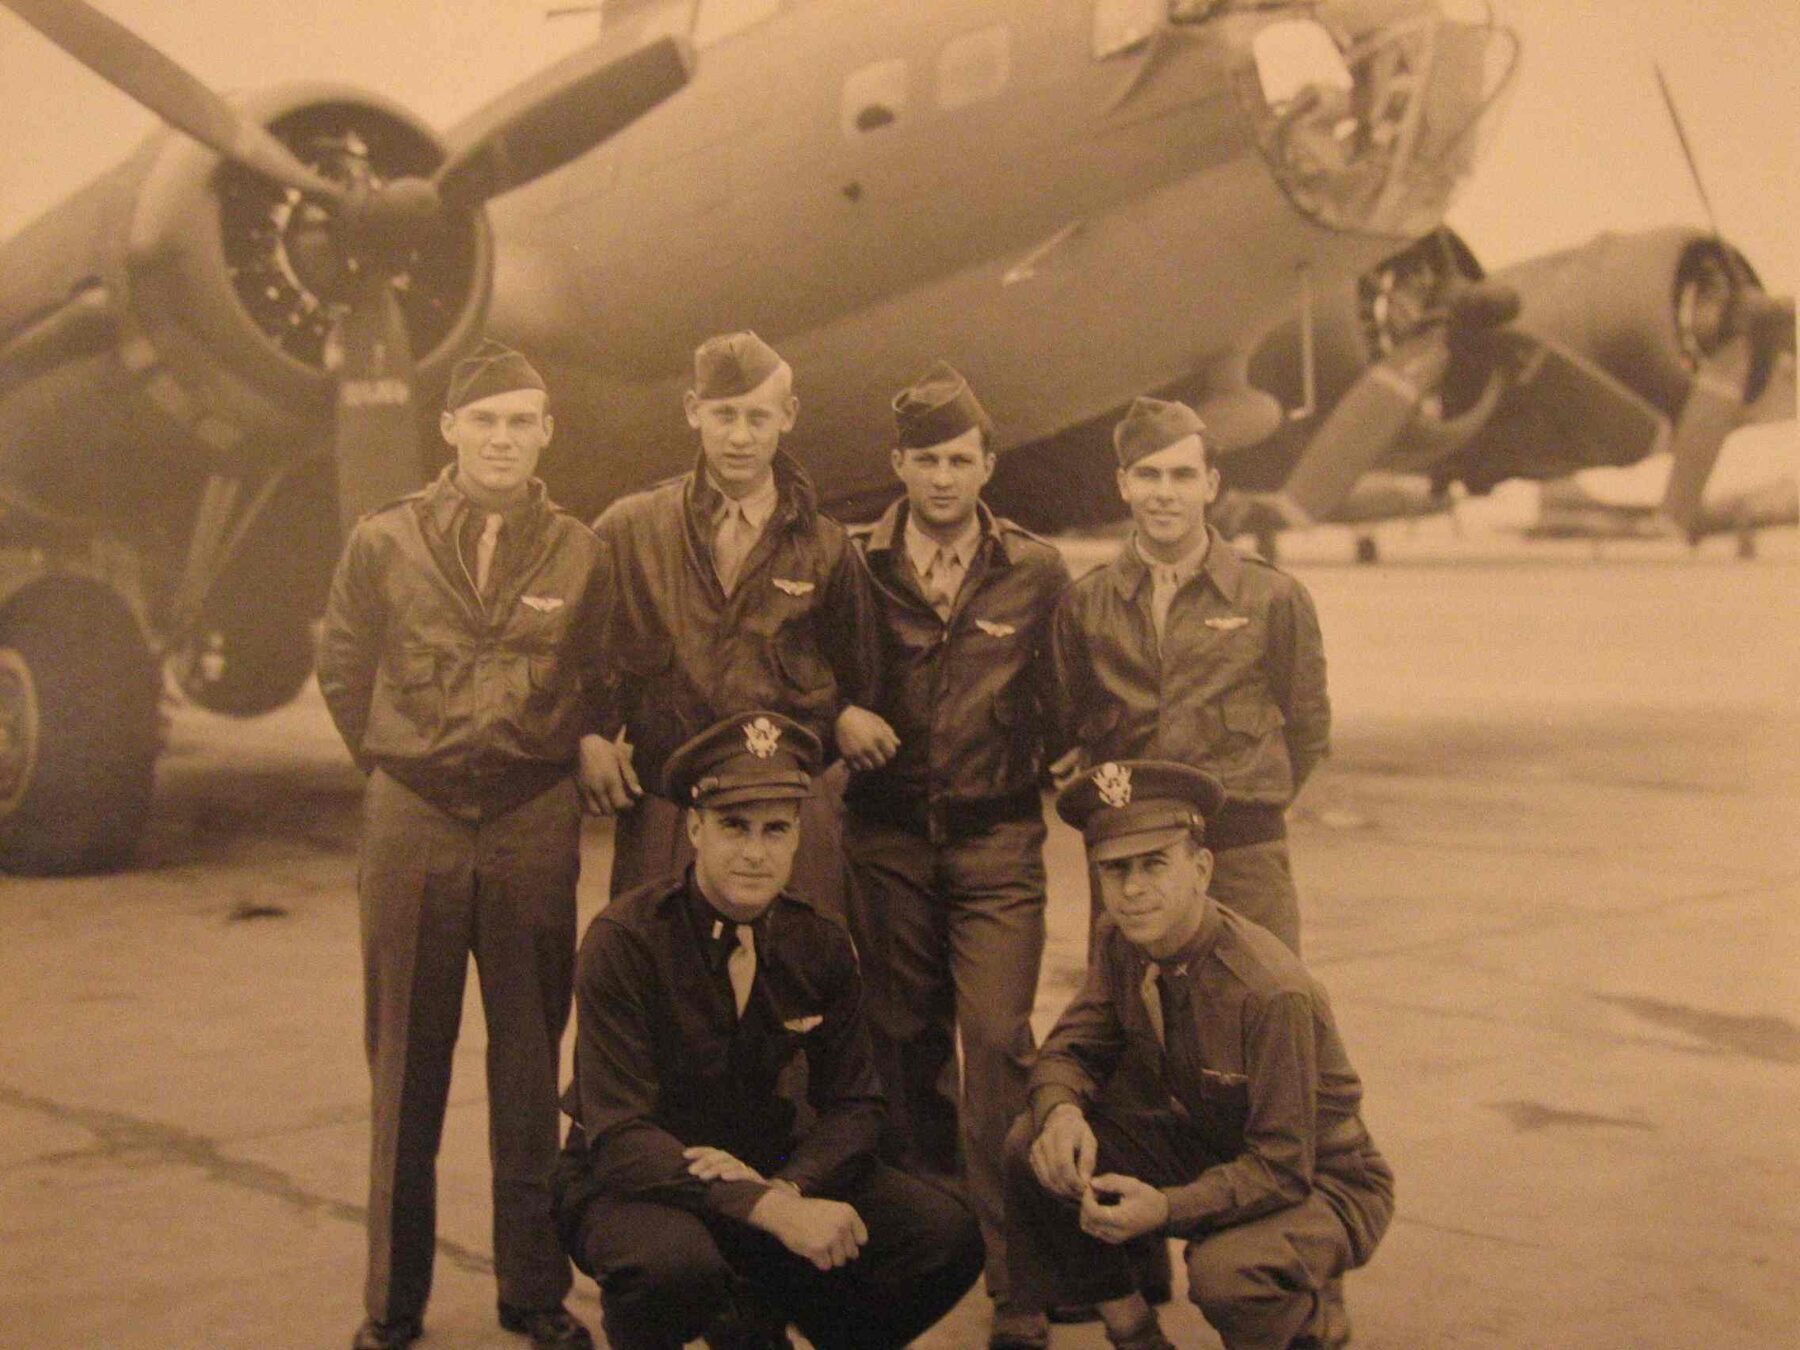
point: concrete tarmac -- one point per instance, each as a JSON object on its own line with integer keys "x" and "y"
{"x": 1550, "y": 877}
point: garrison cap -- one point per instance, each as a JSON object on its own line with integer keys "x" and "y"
{"x": 732, "y": 364}
{"x": 753, "y": 757}
{"x": 1154, "y": 424}
{"x": 938, "y": 407}
{"x": 492, "y": 368}
{"x": 1139, "y": 805}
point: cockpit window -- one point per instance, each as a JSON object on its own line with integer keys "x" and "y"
{"x": 1120, "y": 25}
{"x": 720, "y": 19}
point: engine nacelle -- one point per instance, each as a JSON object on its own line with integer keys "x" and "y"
{"x": 204, "y": 295}
{"x": 1644, "y": 307}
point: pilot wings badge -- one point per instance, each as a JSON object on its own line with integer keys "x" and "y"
{"x": 543, "y": 604}
{"x": 763, "y": 737}
{"x": 1114, "y": 784}
{"x": 1229, "y": 622}
{"x": 993, "y": 629}
{"x": 787, "y": 587}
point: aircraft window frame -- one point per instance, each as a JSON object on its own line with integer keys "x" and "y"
{"x": 974, "y": 67}
{"x": 1122, "y": 25}
{"x": 716, "y": 20}
{"x": 881, "y": 87}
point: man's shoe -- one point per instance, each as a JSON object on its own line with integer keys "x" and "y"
{"x": 549, "y": 1328}
{"x": 1015, "y": 1330}
{"x": 394, "y": 1335}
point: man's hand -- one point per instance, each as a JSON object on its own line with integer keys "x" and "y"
{"x": 1067, "y": 766}
{"x": 1118, "y": 1208}
{"x": 608, "y": 782}
{"x": 828, "y": 1233}
{"x": 715, "y": 1164}
{"x": 1062, "y": 1156}
{"x": 864, "y": 739}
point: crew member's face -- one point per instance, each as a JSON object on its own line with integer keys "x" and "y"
{"x": 498, "y": 439}
{"x": 1168, "y": 493}
{"x": 744, "y": 855}
{"x": 739, "y": 436}
{"x": 1158, "y": 899}
{"x": 944, "y": 481}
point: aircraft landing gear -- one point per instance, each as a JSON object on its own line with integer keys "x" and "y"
{"x": 78, "y": 730}
{"x": 1367, "y": 553}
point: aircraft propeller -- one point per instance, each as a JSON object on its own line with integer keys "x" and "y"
{"x": 1443, "y": 334}
{"x": 1734, "y": 356}
{"x": 364, "y": 229}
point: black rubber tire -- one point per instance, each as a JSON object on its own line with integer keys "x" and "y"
{"x": 84, "y": 806}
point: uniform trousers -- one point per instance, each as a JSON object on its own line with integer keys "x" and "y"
{"x": 666, "y": 1274}
{"x": 1256, "y": 880}
{"x": 650, "y": 843}
{"x": 434, "y": 890}
{"x": 1260, "y": 1283}
{"x": 950, "y": 936}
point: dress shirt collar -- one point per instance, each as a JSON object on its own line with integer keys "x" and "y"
{"x": 1221, "y": 565}
{"x": 923, "y": 549}
{"x": 757, "y": 506}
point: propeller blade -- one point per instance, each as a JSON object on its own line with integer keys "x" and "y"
{"x": 567, "y": 111}
{"x": 1714, "y": 409}
{"x": 1687, "y": 149}
{"x": 134, "y": 67}
{"x": 1364, "y": 425}
{"x": 377, "y": 447}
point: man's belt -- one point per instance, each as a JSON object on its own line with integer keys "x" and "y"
{"x": 946, "y": 818}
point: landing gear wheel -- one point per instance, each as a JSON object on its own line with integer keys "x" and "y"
{"x": 1368, "y": 553}
{"x": 78, "y": 734}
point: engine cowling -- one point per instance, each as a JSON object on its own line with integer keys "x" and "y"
{"x": 217, "y": 293}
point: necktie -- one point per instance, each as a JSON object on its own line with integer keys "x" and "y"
{"x": 732, "y": 546}
{"x": 740, "y": 966}
{"x": 1151, "y": 991}
{"x": 1181, "y": 1052}
{"x": 1164, "y": 582}
{"x": 484, "y": 551}
{"x": 942, "y": 581}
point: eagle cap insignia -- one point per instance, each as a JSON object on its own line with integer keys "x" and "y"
{"x": 763, "y": 737}
{"x": 1113, "y": 781}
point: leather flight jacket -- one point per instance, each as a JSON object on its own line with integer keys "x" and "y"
{"x": 475, "y": 705}
{"x": 967, "y": 695}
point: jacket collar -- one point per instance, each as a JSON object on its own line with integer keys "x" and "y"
{"x": 444, "y": 502}
{"x": 798, "y": 503}
{"x": 1223, "y": 567}
{"x": 888, "y": 534}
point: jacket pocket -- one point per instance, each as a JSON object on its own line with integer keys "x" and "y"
{"x": 411, "y": 676}
{"x": 802, "y": 668}
{"x": 646, "y": 656}
{"x": 1248, "y": 711}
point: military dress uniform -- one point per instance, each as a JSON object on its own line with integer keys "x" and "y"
{"x": 945, "y": 841}
{"x": 688, "y": 650}
{"x": 1234, "y": 684}
{"x": 671, "y": 1053}
{"x": 1256, "y": 1136}
{"x": 465, "y": 706}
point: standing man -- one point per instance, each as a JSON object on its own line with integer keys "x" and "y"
{"x": 1254, "y": 1151}
{"x": 945, "y": 840}
{"x": 1184, "y": 649}
{"x": 446, "y": 662}
{"x": 728, "y": 590}
{"x": 692, "y": 1188}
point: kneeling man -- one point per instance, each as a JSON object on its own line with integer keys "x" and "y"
{"x": 693, "y": 1187}
{"x": 1257, "y": 1155}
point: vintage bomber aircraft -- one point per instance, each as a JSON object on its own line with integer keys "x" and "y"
{"x": 207, "y": 357}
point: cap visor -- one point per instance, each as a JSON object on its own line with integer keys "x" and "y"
{"x": 772, "y": 792}
{"x": 1136, "y": 842}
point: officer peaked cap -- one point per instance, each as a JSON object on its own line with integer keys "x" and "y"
{"x": 492, "y": 368}
{"x": 1154, "y": 424}
{"x": 1130, "y": 806}
{"x": 752, "y": 757}
{"x": 733, "y": 364}
{"x": 938, "y": 407}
